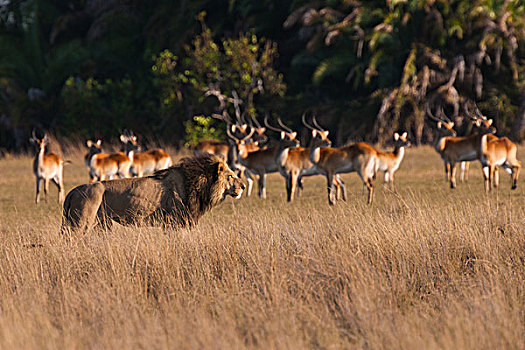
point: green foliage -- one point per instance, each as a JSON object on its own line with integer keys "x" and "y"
{"x": 92, "y": 108}
{"x": 243, "y": 64}
{"x": 333, "y": 55}
{"x": 201, "y": 128}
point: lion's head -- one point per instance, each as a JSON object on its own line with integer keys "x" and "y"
{"x": 208, "y": 181}
{"x": 228, "y": 181}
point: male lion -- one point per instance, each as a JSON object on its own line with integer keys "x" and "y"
{"x": 176, "y": 197}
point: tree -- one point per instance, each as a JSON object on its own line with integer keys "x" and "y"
{"x": 408, "y": 53}
{"x": 238, "y": 72}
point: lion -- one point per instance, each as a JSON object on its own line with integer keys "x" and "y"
{"x": 174, "y": 197}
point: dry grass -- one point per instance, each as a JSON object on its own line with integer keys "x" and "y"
{"x": 424, "y": 268}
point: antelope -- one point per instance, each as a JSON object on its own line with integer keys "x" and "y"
{"x": 248, "y": 146}
{"x": 47, "y": 167}
{"x": 359, "y": 157}
{"x": 294, "y": 163}
{"x": 104, "y": 166}
{"x": 223, "y": 148}
{"x": 220, "y": 148}
{"x": 217, "y": 147}
{"x": 465, "y": 130}
{"x": 454, "y": 149}
{"x": 496, "y": 152}
{"x": 144, "y": 163}
{"x": 264, "y": 161}
{"x": 389, "y": 162}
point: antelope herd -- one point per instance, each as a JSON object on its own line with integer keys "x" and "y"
{"x": 253, "y": 155}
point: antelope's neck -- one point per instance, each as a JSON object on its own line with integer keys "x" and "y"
{"x": 315, "y": 154}
{"x": 399, "y": 152}
{"x": 41, "y": 154}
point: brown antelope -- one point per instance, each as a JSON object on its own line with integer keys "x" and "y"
{"x": 359, "y": 157}
{"x": 219, "y": 148}
{"x": 104, "y": 166}
{"x": 239, "y": 130}
{"x": 467, "y": 129}
{"x": 144, "y": 163}
{"x": 455, "y": 149}
{"x": 247, "y": 145}
{"x": 264, "y": 161}
{"x": 496, "y": 152}
{"x": 47, "y": 167}
{"x": 389, "y": 162}
{"x": 294, "y": 163}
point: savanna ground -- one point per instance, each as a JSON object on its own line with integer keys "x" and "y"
{"x": 423, "y": 268}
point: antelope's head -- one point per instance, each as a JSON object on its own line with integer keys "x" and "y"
{"x": 320, "y": 138}
{"x": 129, "y": 142}
{"x": 40, "y": 143}
{"x": 319, "y": 135}
{"x": 401, "y": 140}
{"x": 244, "y": 145}
{"x": 484, "y": 126}
{"x": 94, "y": 147}
{"x": 288, "y": 137}
{"x": 446, "y": 128}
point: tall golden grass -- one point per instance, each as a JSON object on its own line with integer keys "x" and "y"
{"x": 423, "y": 268}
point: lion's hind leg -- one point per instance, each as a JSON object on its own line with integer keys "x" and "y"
{"x": 81, "y": 208}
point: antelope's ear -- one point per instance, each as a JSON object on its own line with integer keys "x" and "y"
{"x": 89, "y": 143}
{"x": 134, "y": 138}
{"x": 283, "y": 135}
{"x": 294, "y": 134}
{"x": 478, "y": 122}
{"x": 439, "y": 125}
{"x": 244, "y": 127}
{"x": 233, "y": 127}
{"x": 396, "y": 136}
{"x": 123, "y": 139}
{"x": 404, "y": 136}
{"x": 256, "y": 143}
{"x": 314, "y": 133}
{"x": 99, "y": 142}
{"x": 326, "y": 133}
{"x": 490, "y": 121}
{"x": 451, "y": 124}
{"x": 262, "y": 130}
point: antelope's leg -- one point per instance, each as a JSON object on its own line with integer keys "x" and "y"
{"x": 46, "y": 188}
{"x": 37, "y": 198}
{"x": 486, "y": 177}
{"x": 453, "y": 175}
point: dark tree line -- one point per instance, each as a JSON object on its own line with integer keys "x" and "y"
{"x": 90, "y": 68}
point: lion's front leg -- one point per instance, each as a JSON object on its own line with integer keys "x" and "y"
{"x": 103, "y": 220}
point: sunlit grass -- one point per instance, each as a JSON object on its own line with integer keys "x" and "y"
{"x": 425, "y": 267}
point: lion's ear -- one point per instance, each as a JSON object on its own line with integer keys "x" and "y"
{"x": 220, "y": 167}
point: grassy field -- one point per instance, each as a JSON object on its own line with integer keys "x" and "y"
{"x": 423, "y": 268}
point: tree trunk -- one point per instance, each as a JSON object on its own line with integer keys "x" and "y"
{"x": 519, "y": 123}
